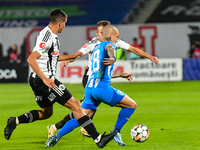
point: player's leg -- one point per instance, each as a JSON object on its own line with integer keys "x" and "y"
{"x": 28, "y": 117}
{"x": 64, "y": 97}
{"x": 84, "y": 82}
{"x": 41, "y": 97}
{"x": 83, "y": 120}
{"x": 82, "y": 130}
{"x": 128, "y": 108}
{"x": 54, "y": 127}
{"x": 72, "y": 124}
{"x": 67, "y": 128}
{"x": 115, "y": 97}
{"x": 70, "y": 116}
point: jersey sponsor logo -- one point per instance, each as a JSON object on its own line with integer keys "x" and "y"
{"x": 109, "y": 43}
{"x": 55, "y": 53}
{"x": 85, "y": 45}
{"x": 42, "y": 45}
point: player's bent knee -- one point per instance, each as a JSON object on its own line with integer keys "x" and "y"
{"x": 134, "y": 105}
{"x": 46, "y": 115}
{"x": 72, "y": 104}
{"x": 76, "y": 106}
{"x": 129, "y": 103}
{"x": 46, "y": 112}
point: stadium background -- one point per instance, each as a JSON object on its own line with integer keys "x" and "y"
{"x": 166, "y": 28}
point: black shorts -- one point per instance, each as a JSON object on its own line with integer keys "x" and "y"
{"x": 46, "y": 98}
{"x": 85, "y": 78}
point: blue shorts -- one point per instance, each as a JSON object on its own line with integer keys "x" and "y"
{"x": 107, "y": 95}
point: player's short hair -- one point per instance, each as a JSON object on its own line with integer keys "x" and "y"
{"x": 57, "y": 15}
{"x": 134, "y": 39}
{"x": 103, "y": 23}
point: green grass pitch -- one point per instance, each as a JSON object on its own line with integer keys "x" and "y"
{"x": 170, "y": 110}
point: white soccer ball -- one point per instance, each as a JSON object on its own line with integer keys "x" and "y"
{"x": 139, "y": 133}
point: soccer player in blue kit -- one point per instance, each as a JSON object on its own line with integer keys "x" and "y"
{"x": 98, "y": 88}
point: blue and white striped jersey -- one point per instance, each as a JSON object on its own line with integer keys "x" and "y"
{"x": 88, "y": 48}
{"x": 99, "y": 71}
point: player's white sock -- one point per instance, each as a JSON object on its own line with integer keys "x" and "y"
{"x": 98, "y": 139}
{"x": 54, "y": 127}
{"x": 17, "y": 121}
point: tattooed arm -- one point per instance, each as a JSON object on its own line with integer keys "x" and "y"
{"x": 128, "y": 76}
{"x": 111, "y": 54}
{"x": 111, "y": 51}
{"x": 117, "y": 74}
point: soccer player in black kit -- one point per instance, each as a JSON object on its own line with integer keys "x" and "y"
{"x": 47, "y": 89}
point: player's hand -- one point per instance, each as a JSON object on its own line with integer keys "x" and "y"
{"x": 77, "y": 54}
{"x": 108, "y": 61}
{"x": 64, "y": 64}
{"x": 49, "y": 82}
{"x": 154, "y": 59}
{"x": 128, "y": 76}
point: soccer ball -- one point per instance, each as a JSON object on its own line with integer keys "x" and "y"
{"x": 139, "y": 133}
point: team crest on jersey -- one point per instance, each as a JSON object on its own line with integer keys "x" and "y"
{"x": 55, "y": 53}
{"x": 99, "y": 74}
{"x": 85, "y": 45}
{"x": 62, "y": 87}
{"x": 42, "y": 45}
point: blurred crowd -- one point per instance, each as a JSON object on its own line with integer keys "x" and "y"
{"x": 13, "y": 54}
{"x": 194, "y": 51}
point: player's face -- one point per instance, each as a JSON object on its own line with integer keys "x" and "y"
{"x": 99, "y": 33}
{"x": 114, "y": 37}
{"x": 62, "y": 25}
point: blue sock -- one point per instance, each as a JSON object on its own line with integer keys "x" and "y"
{"x": 68, "y": 127}
{"x": 123, "y": 117}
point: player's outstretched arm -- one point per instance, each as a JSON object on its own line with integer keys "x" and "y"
{"x": 71, "y": 57}
{"x": 141, "y": 53}
{"x": 128, "y": 76}
{"x": 65, "y": 63}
